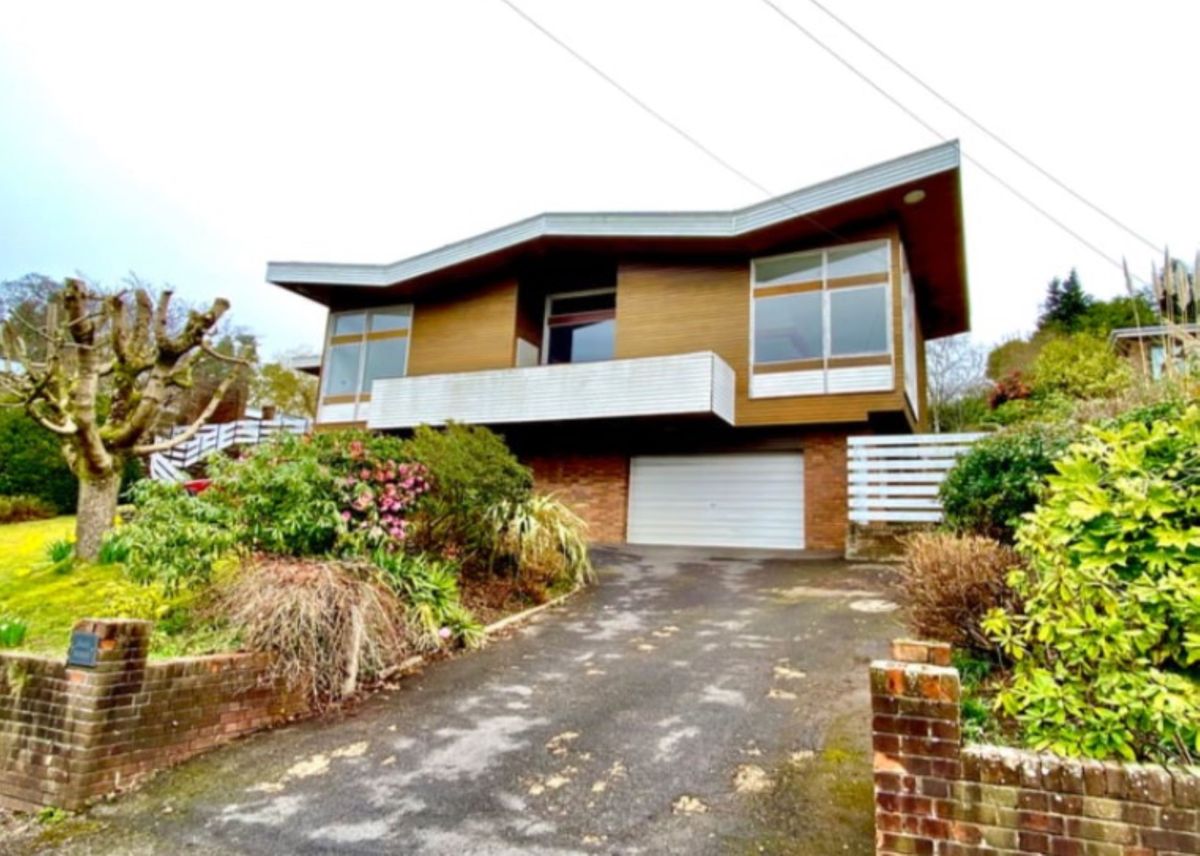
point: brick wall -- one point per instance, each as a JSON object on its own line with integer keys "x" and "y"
{"x": 594, "y": 486}
{"x": 69, "y": 735}
{"x": 825, "y": 512}
{"x": 933, "y": 795}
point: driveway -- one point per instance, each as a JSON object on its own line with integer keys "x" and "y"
{"x": 691, "y": 703}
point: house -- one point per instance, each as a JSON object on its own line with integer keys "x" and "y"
{"x": 1148, "y": 348}
{"x": 677, "y": 378}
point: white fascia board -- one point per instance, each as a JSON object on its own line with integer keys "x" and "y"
{"x": 700, "y": 224}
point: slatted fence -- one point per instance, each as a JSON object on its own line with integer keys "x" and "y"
{"x": 173, "y": 464}
{"x": 895, "y": 478}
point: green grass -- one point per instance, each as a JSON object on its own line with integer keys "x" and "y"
{"x": 51, "y": 597}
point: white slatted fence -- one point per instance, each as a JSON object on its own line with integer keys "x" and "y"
{"x": 173, "y": 464}
{"x": 895, "y": 478}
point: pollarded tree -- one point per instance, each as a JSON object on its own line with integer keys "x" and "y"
{"x": 99, "y": 373}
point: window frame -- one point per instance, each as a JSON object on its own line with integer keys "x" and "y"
{"x": 827, "y": 359}
{"x": 544, "y": 357}
{"x": 363, "y": 340}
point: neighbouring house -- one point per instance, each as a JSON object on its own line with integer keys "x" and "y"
{"x": 677, "y": 378}
{"x": 1148, "y": 348}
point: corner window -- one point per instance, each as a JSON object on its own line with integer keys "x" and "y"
{"x": 363, "y": 347}
{"x": 580, "y": 327}
{"x": 822, "y": 304}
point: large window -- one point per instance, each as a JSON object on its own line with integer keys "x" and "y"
{"x": 580, "y": 327}
{"x": 363, "y": 347}
{"x": 822, "y": 305}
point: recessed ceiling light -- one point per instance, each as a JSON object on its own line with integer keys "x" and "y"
{"x": 914, "y": 196}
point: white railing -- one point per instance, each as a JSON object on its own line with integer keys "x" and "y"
{"x": 896, "y": 478}
{"x": 173, "y": 464}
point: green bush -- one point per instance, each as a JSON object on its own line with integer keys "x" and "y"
{"x": 1107, "y": 647}
{"x": 281, "y": 497}
{"x": 999, "y": 480}
{"x": 32, "y": 464}
{"x": 16, "y": 509}
{"x": 471, "y": 472}
{"x": 176, "y": 539}
{"x": 1081, "y": 366}
{"x": 430, "y": 587}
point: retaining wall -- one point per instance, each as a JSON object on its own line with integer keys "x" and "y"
{"x": 69, "y": 735}
{"x": 933, "y": 795}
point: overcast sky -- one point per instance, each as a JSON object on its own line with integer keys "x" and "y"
{"x": 191, "y": 147}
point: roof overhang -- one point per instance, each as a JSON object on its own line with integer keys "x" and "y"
{"x": 932, "y": 230}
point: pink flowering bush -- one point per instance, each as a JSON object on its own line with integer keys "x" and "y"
{"x": 376, "y": 499}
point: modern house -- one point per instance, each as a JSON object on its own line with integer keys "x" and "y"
{"x": 677, "y": 378}
{"x": 1158, "y": 349}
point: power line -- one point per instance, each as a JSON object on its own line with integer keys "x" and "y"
{"x": 712, "y": 155}
{"x": 984, "y": 129}
{"x": 966, "y": 155}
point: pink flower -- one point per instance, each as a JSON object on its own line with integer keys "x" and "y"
{"x": 445, "y": 633}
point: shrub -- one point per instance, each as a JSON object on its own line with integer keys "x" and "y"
{"x": 176, "y": 539}
{"x": 375, "y": 502}
{"x": 430, "y": 587}
{"x": 1081, "y": 366}
{"x": 12, "y": 631}
{"x": 999, "y": 480}
{"x": 1010, "y": 387}
{"x": 327, "y": 624}
{"x": 280, "y": 496}
{"x": 32, "y": 464}
{"x": 16, "y": 509}
{"x": 951, "y": 582}
{"x": 1107, "y": 646}
{"x": 471, "y": 472}
{"x": 544, "y": 540}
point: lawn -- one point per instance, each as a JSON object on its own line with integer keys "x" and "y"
{"x": 50, "y": 598}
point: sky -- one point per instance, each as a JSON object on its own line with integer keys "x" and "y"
{"x": 190, "y": 144}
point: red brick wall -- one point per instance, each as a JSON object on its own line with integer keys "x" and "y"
{"x": 825, "y": 491}
{"x": 594, "y": 486}
{"x": 935, "y": 796}
{"x": 68, "y": 735}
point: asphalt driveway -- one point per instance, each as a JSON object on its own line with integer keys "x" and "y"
{"x": 691, "y": 703}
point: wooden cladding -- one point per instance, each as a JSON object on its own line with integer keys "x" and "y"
{"x": 468, "y": 331}
{"x": 675, "y": 307}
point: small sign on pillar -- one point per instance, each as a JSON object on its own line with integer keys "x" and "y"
{"x": 84, "y": 649}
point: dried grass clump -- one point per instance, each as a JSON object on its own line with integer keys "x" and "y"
{"x": 950, "y": 582}
{"x": 327, "y": 624}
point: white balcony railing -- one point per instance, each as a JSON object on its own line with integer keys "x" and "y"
{"x": 699, "y": 383}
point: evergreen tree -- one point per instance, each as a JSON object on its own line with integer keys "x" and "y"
{"x": 1066, "y": 306}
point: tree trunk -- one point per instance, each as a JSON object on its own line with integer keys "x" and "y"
{"x": 96, "y": 512}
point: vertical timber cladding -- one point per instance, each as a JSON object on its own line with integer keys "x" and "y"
{"x": 465, "y": 330}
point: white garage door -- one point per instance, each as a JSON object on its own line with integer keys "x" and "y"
{"x": 750, "y": 500}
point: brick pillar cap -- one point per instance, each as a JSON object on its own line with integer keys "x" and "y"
{"x": 921, "y": 651}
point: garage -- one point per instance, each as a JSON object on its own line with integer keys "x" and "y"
{"x": 727, "y": 500}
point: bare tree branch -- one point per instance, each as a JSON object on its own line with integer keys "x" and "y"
{"x": 193, "y": 429}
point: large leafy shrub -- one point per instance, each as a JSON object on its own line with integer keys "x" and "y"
{"x": 32, "y": 464}
{"x": 471, "y": 472}
{"x": 282, "y": 497}
{"x": 1080, "y": 366}
{"x": 430, "y": 587}
{"x": 1107, "y": 646}
{"x": 950, "y": 582}
{"x": 999, "y": 480}
{"x": 176, "y": 539}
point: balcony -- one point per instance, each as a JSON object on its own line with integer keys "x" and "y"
{"x": 676, "y": 385}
